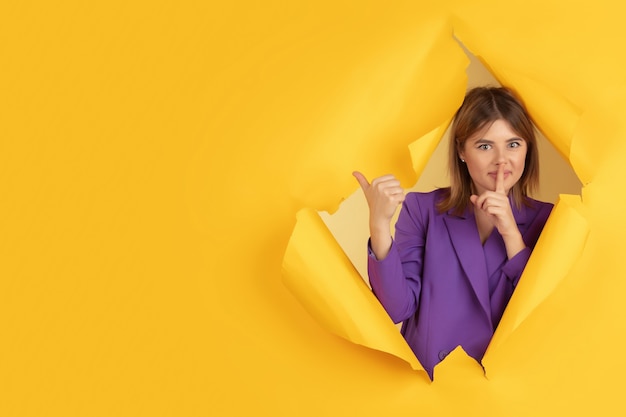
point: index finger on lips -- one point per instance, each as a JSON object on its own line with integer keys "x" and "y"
{"x": 500, "y": 180}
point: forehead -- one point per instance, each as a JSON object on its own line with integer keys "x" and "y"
{"x": 498, "y": 130}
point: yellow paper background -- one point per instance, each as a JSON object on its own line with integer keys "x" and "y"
{"x": 154, "y": 156}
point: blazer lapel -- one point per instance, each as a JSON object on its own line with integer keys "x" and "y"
{"x": 466, "y": 242}
{"x": 520, "y": 216}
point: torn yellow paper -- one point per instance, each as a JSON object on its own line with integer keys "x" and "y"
{"x": 422, "y": 149}
{"x": 553, "y": 112}
{"x": 559, "y": 247}
{"x": 154, "y": 156}
{"x": 316, "y": 270}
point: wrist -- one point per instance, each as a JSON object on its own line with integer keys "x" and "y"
{"x": 511, "y": 234}
{"x": 514, "y": 243}
{"x": 380, "y": 243}
{"x": 380, "y": 227}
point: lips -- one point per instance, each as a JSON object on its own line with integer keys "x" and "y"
{"x": 495, "y": 174}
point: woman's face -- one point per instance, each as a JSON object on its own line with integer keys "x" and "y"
{"x": 487, "y": 149}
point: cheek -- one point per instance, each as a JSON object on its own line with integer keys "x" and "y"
{"x": 520, "y": 160}
{"x": 474, "y": 166}
{"x": 476, "y": 162}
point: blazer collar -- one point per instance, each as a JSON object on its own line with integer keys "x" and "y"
{"x": 469, "y": 249}
{"x": 466, "y": 242}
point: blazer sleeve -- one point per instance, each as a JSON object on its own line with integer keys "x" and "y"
{"x": 396, "y": 280}
{"x": 514, "y": 267}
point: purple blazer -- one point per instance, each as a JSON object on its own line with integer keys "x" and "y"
{"x": 446, "y": 286}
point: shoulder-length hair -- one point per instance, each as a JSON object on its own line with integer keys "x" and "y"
{"x": 483, "y": 106}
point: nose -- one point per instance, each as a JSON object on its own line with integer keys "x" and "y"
{"x": 500, "y": 157}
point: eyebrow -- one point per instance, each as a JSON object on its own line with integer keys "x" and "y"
{"x": 514, "y": 139}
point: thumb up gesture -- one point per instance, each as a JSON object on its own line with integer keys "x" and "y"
{"x": 384, "y": 195}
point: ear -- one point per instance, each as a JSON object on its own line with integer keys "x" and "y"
{"x": 460, "y": 151}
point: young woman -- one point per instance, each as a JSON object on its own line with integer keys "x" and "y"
{"x": 459, "y": 252}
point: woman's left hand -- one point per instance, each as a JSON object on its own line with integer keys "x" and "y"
{"x": 497, "y": 207}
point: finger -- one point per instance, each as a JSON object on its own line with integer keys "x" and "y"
{"x": 385, "y": 180}
{"x": 487, "y": 199}
{"x": 500, "y": 179}
{"x": 395, "y": 195}
{"x": 479, "y": 200}
{"x": 388, "y": 187}
{"x": 394, "y": 190}
{"x": 495, "y": 211}
{"x": 363, "y": 182}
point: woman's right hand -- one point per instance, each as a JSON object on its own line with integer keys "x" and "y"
{"x": 383, "y": 196}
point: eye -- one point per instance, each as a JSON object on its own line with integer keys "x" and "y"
{"x": 484, "y": 146}
{"x": 515, "y": 144}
